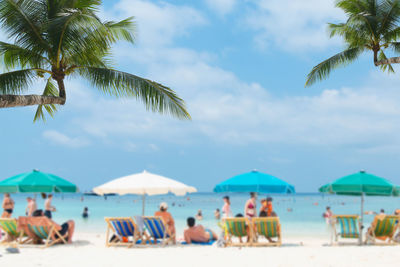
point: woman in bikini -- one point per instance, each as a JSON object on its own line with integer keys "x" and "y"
{"x": 226, "y": 209}
{"x": 8, "y": 206}
{"x": 250, "y": 209}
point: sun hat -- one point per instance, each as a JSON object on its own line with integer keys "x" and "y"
{"x": 163, "y": 205}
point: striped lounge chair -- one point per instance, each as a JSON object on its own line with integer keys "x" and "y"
{"x": 42, "y": 228}
{"x": 383, "y": 228}
{"x": 349, "y": 226}
{"x": 157, "y": 229}
{"x": 268, "y": 227}
{"x": 9, "y": 226}
{"x": 237, "y": 227}
{"x": 124, "y": 228}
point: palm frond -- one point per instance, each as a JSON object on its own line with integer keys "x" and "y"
{"x": 155, "y": 96}
{"x": 16, "y": 82}
{"x": 323, "y": 69}
{"x": 385, "y": 67}
{"x": 49, "y": 90}
{"x": 22, "y": 21}
{"x": 395, "y": 46}
{"x": 15, "y": 56}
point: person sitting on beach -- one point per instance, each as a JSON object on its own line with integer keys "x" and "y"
{"x": 270, "y": 209}
{"x": 85, "y": 213}
{"x": 8, "y": 206}
{"x": 31, "y": 207}
{"x": 199, "y": 215}
{"x": 197, "y": 233}
{"x": 66, "y": 228}
{"x": 167, "y": 218}
{"x": 250, "y": 206}
{"x": 263, "y": 209}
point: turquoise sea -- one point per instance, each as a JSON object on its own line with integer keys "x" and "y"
{"x": 305, "y": 219}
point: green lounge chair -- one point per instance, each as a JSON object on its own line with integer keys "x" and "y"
{"x": 349, "y": 226}
{"x": 9, "y": 226}
{"x": 124, "y": 228}
{"x": 269, "y": 227}
{"x": 237, "y": 227}
{"x": 42, "y": 228}
{"x": 383, "y": 228}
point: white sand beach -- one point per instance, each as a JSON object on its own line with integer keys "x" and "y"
{"x": 89, "y": 250}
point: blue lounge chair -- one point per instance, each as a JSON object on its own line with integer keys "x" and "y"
{"x": 157, "y": 230}
{"x": 124, "y": 229}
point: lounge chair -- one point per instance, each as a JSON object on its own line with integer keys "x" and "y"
{"x": 383, "y": 228}
{"x": 157, "y": 229}
{"x": 349, "y": 226}
{"x": 123, "y": 228}
{"x": 9, "y": 226}
{"x": 237, "y": 227}
{"x": 42, "y": 228}
{"x": 269, "y": 227}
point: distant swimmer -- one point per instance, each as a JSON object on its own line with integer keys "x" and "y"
{"x": 85, "y": 213}
{"x": 315, "y": 204}
{"x": 289, "y": 209}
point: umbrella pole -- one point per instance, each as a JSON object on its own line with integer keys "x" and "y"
{"x": 362, "y": 218}
{"x": 143, "y": 203}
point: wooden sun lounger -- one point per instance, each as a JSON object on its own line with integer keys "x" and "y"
{"x": 157, "y": 229}
{"x": 122, "y": 228}
{"x": 42, "y": 228}
{"x": 349, "y": 226}
{"x": 238, "y": 227}
{"x": 268, "y": 227}
{"x": 383, "y": 228}
{"x": 9, "y": 226}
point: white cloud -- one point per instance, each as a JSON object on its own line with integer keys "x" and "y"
{"x": 293, "y": 24}
{"x": 230, "y": 111}
{"x": 158, "y": 24}
{"x": 221, "y": 7}
{"x": 62, "y": 139}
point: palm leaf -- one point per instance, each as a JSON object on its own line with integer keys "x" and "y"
{"x": 323, "y": 69}
{"x": 385, "y": 67}
{"x": 49, "y": 90}
{"x": 155, "y": 96}
{"x": 15, "y": 82}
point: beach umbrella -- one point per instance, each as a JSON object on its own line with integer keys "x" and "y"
{"x": 255, "y": 181}
{"x": 361, "y": 184}
{"x": 36, "y": 182}
{"x": 144, "y": 183}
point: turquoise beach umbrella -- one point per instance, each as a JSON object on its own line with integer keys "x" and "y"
{"x": 36, "y": 182}
{"x": 361, "y": 184}
{"x": 255, "y": 181}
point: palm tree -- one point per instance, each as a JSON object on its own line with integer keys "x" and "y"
{"x": 53, "y": 39}
{"x": 372, "y": 25}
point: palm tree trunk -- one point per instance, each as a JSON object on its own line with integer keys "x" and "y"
{"x": 392, "y": 60}
{"x": 8, "y": 101}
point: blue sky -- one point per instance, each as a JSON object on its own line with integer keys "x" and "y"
{"x": 241, "y": 67}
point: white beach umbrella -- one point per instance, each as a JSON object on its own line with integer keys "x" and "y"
{"x": 144, "y": 183}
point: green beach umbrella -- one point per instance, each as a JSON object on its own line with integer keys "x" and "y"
{"x": 361, "y": 184}
{"x": 36, "y": 182}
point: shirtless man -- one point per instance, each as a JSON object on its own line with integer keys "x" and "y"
{"x": 197, "y": 233}
{"x": 48, "y": 208}
{"x": 30, "y": 209}
{"x": 66, "y": 228}
{"x": 8, "y": 206}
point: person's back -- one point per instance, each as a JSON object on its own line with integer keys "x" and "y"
{"x": 167, "y": 217}
{"x": 197, "y": 233}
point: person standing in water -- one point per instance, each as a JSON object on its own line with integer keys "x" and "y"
{"x": 250, "y": 208}
{"x": 8, "y": 206}
{"x": 48, "y": 208}
{"x": 226, "y": 209}
{"x": 85, "y": 213}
